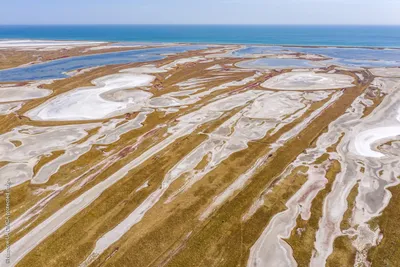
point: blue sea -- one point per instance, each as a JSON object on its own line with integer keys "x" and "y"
{"x": 369, "y": 36}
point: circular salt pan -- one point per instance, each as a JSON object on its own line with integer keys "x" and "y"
{"x": 308, "y": 81}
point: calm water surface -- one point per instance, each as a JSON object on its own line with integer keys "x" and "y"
{"x": 56, "y": 69}
{"x": 377, "y": 36}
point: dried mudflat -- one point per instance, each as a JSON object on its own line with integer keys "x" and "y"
{"x": 192, "y": 159}
{"x": 92, "y": 104}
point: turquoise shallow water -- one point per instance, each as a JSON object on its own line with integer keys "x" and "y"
{"x": 376, "y": 36}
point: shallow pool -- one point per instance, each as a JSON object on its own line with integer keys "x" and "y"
{"x": 365, "y": 63}
{"x": 56, "y": 68}
{"x": 257, "y": 50}
{"x": 360, "y": 57}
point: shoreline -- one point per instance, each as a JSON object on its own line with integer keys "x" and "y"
{"x": 147, "y": 42}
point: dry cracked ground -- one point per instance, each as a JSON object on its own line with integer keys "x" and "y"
{"x": 214, "y": 156}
